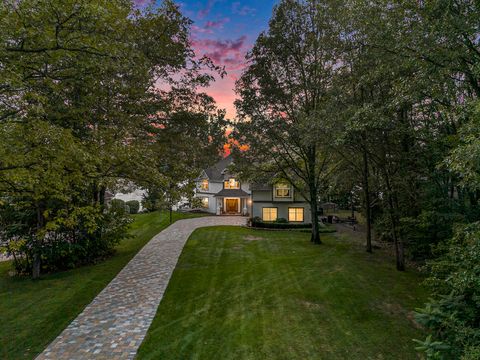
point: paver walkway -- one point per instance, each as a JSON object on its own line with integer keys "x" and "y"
{"x": 115, "y": 323}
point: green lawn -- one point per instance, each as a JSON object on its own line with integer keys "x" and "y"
{"x": 250, "y": 294}
{"x": 33, "y": 313}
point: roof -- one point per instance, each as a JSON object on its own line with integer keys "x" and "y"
{"x": 260, "y": 187}
{"x": 215, "y": 172}
{"x": 232, "y": 193}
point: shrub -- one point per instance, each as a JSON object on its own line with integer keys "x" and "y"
{"x": 452, "y": 316}
{"x": 281, "y": 221}
{"x": 72, "y": 237}
{"x": 118, "y": 205}
{"x": 257, "y": 222}
{"x": 133, "y": 206}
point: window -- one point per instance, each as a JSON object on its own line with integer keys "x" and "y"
{"x": 269, "y": 214}
{"x": 205, "y": 202}
{"x": 204, "y": 185}
{"x": 231, "y": 184}
{"x": 283, "y": 191}
{"x": 295, "y": 214}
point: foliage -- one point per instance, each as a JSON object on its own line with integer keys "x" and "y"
{"x": 285, "y": 98}
{"x": 42, "y": 309}
{"x": 464, "y": 159}
{"x": 118, "y": 205}
{"x": 453, "y": 314}
{"x": 152, "y": 200}
{"x": 133, "y": 206}
{"x": 279, "y": 224}
{"x": 197, "y": 203}
{"x": 81, "y": 110}
{"x": 71, "y": 237}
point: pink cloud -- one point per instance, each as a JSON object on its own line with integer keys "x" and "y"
{"x": 200, "y": 30}
{"x": 224, "y": 52}
{"x": 216, "y": 24}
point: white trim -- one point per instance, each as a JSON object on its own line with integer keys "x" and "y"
{"x": 232, "y": 198}
{"x": 203, "y": 176}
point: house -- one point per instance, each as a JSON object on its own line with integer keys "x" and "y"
{"x": 223, "y": 194}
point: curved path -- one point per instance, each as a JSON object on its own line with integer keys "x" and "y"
{"x": 115, "y": 323}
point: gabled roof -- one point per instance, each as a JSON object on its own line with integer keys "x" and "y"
{"x": 215, "y": 172}
{"x": 231, "y": 193}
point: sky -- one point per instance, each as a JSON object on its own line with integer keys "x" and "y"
{"x": 225, "y": 30}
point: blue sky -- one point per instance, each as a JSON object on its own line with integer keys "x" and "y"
{"x": 225, "y": 30}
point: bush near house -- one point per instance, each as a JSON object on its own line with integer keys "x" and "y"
{"x": 133, "y": 206}
{"x": 117, "y": 205}
{"x": 279, "y": 224}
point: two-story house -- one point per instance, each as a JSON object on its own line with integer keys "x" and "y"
{"x": 223, "y": 194}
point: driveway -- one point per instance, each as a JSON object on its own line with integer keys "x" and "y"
{"x": 115, "y": 323}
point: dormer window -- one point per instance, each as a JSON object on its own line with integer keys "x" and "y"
{"x": 231, "y": 183}
{"x": 204, "y": 185}
{"x": 283, "y": 191}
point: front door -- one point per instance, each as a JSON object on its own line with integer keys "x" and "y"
{"x": 231, "y": 206}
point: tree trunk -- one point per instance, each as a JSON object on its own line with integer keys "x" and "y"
{"x": 170, "y": 211}
{"x": 314, "y": 213}
{"x": 368, "y": 210}
{"x": 36, "y": 265}
{"x": 399, "y": 253}
{"x": 37, "y": 260}
{"x": 315, "y": 225}
{"x": 103, "y": 190}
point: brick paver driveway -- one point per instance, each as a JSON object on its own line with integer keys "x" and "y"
{"x": 115, "y": 323}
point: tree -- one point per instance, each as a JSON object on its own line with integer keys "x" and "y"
{"x": 285, "y": 98}
{"x": 78, "y": 112}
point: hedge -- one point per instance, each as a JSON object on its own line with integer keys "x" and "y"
{"x": 133, "y": 206}
{"x": 279, "y": 225}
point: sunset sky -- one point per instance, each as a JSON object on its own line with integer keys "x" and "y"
{"x": 225, "y": 30}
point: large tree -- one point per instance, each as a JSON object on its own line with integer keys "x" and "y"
{"x": 79, "y": 103}
{"x": 285, "y": 97}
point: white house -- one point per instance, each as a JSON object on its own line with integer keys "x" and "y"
{"x": 223, "y": 194}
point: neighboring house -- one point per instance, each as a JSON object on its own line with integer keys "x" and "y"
{"x": 223, "y": 194}
{"x": 135, "y": 194}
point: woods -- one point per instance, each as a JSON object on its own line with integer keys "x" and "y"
{"x": 91, "y": 93}
{"x": 379, "y": 100}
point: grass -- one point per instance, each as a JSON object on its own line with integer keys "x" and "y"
{"x": 33, "y": 313}
{"x": 238, "y": 293}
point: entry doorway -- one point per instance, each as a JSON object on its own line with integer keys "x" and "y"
{"x": 232, "y": 206}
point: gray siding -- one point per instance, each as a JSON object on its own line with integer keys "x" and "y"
{"x": 282, "y": 209}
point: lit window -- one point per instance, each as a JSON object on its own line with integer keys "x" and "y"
{"x": 204, "y": 185}
{"x": 269, "y": 214}
{"x": 295, "y": 214}
{"x": 231, "y": 184}
{"x": 283, "y": 191}
{"x": 205, "y": 202}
